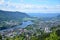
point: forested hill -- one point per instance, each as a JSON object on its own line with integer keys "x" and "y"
{"x": 9, "y": 15}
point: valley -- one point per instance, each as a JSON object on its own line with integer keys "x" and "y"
{"x": 22, "y": 26}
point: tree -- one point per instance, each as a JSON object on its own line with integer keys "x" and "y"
{"x": 0, "y": 37}
{"x": 34, "y": 38}
{"x": 52, "y": 36}
{"x": 58, "y": 32}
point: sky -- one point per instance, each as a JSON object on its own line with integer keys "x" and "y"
{"x": 31, "y": 6}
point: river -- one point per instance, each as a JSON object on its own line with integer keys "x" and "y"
{"x": 24, "y": 24}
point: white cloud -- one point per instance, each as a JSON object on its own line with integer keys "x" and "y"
{"x": 10, "y": 6}
{"x": 1, "y": 1}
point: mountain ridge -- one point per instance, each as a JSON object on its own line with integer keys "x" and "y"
{"x": 12, "y": 15}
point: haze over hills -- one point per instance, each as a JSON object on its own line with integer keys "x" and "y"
{"x": 44, "y": 14}
{"x": 17, "y": 15}
{"x": 12, "y": 15}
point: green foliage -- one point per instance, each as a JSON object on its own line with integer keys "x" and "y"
{"x": 34, "y": 38}
{"x": 58, "y": 32}
{"x": 0, "y": 37}
{"x": 52, "y": 36}
{"x": 29, "y": 27}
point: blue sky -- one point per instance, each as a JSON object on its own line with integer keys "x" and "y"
{"x": 31, "y": 6}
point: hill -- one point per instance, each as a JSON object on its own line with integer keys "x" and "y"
{"x": 10, "y": 19}
{"x": 8, "y": 15}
